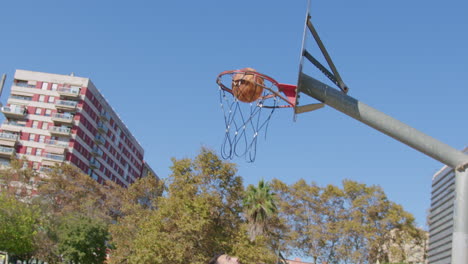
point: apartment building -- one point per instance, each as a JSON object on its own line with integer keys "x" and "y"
{"x": 52, "y": 118}
{"x": 441, "y": 216}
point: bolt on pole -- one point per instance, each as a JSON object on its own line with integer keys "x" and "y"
{"x": 411, "y": 137}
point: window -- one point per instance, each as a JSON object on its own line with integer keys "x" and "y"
{"x": 51, "y": 99}
{"x": 35, "y": 124}
{"x": 45, "y": 85}
{"x": 48, "y": 112}
{"x": 54, "y": 87}
{"x": 28, "y": 150}
{"x": 32, "y": 137}
{"x": 36, "y": 165}
{"x": 42, "y": 138}
{"x": 38, "y": 111}
{"x": 45, "y": 125}
{"x": 41, "y": 98}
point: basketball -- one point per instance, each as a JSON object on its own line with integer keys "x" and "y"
{"x": 247, "y": 87}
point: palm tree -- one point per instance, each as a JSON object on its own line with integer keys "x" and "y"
{"x": 259, "y": 206}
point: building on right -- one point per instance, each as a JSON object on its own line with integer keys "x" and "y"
{"x": 441, "y": 215}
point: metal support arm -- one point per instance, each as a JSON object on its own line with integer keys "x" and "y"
{"x": 382, "y": 122}
{"x": 411, "y": 137}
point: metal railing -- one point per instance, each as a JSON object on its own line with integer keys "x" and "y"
{"x": 63, "y": 116}
{"x": 102, "y": 127}
{"x": 105, "y": 116}
{"x": 9, "y": 136}
{"x": 56, "y": 143}
{"x": 66, "y": 103}
{"x": 94, "y": 164}
{"x": 54, "y": 157}
{"x": 97, "y": 151}
{"x": 7, "y": 150}
{"x": 69, "y": 90}
{"x": 26, "y": 98}
{"x": 65, "y": 130}
{"x": 46, "y": 169}
{"x": 15, "y": 110}
{"x": 13, "y": 123}
{"x": 100, "y": 139}
{"x": 24, "y": 84}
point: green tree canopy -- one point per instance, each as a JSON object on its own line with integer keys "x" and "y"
{"x": 353, "y": 224}
{"x": 19, "y": 223}
{"x": 82, "y": 239}
{"x": 198, "y": 216}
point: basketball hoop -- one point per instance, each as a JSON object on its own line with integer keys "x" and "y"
{"x": 248, "y": 99}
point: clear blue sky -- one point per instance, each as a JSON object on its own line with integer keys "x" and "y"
{"x": 156, "y": 63}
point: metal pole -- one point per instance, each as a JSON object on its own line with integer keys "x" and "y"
{"x": 411, "y": 137}
{"x": 460, "y": 217}
{"x": 382, "y": 122}
{"x": 2, "y": 82}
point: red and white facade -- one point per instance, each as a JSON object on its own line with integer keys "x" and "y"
{"x": 52, "y": 118}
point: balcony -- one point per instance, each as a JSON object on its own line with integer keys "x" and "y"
{"x": 25, "y": 84}
{"x": 56, "y": 147}
{"x": 105, "y": 116}
{"x": 50, "y": 156}
{"x": 6, "y": 151}
{"x": 99, "y": 140}
{"x": 62, "y": 118}
{"x": 94, "y": 164}
{"x": 8, "y": 139}
{"x": 13, "y": 126}
{"x": 21, "y": 97}
{"x": 102, "y": 128}
{"x": 46, "y": 169}
{"x": 56, "y": 143}
{"x": 61, "y": 131}
{"x": 71, "y": 92}
{"x": 66, "y": 105}
{"x": 97, "y": 152}
{"x": 50, "y": 159}
{"x": 14, "y": 111}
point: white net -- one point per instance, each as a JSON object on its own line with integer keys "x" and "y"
{"x": 245, "y": 121}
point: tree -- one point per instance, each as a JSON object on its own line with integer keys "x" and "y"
{"x": 378, "y": 224}
{"x": 260, "y": 206}
{"x": 67, "y": 192}
{"x": 82, "y": 239}
{"x": 198, "y": 216}
{"x": 64, "y": 192}
{"x": 299, "y": 205}
{"x": 66, "y": 189}
{"x": 19, "y": 180}
{"x": 353, "y": 224}
{"x": 131, "y": 208}
{"x": 19, "y": 223}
